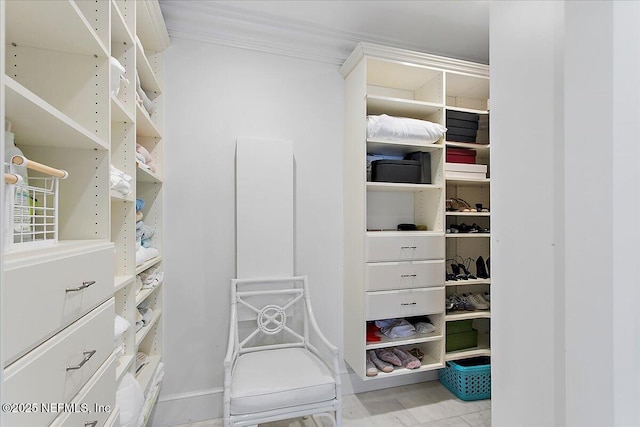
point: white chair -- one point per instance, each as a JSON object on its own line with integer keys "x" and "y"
{"x": 278, "y": 364}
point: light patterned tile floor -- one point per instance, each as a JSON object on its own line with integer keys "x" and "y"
{"x": 417, "y": 405}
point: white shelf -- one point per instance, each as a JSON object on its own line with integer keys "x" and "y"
{"x": 467, "y": 282}
{"x": 467, "y": 235}
{"x": 470, "y": 182}
{"x": 38, "y": 24}
{"x": 121, "y": 282}
{"x": 145, "y": 376}
{"x": 148, "y": 79}
{"x": 401, "y": 107}
{"x": 116, "y": 195}
{"x": 397, "y": 233}
{"x": 119, "y": 112}
{"x": 150, "y": 26}
{"x": 36, "y": 122}
{"x": 148, "y": 264}
{"x": 145, "y": 175}
{"x": 391, "y": 148}
{"x": 466, "y": 110}
{"x": 482, "y": 349}
{"x": 466, "y": 315}
{"x": 397, "y": 186}
{"x": 142, "y": 333}
{"x": 477, "y": 147}
{"x": 119, "y": 31}
{"x": 416, "y": 339}
{"x": 468, "y": 213}
{"x": 124, "y": 363}
{"x": 428, "y": 364}
{"x": 144, "y": 294}
{"x": 144, "y": 125}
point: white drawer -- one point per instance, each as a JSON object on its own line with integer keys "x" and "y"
{"x": 382, "y": 276}
{"x": 43, "y": 300}
{"x": 43, "y": 376}
{"x": 96, "y": 401}
{"x": 404, "y": 303}
{"x": 404, "y": 247}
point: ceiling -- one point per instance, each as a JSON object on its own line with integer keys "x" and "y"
{"x": 328, "y": 31}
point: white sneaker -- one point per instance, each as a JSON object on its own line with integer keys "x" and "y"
{"x": 484, "y": 298}
{"x": 476, "y": 302}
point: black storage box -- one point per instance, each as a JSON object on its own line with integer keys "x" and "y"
{"x": 406, "y": 171}
{"x": 460, "y": 138}
{"x": 456, "y": 123}
{"x": 462, "y": 131}
{"x": 461, "y": 115}
{"x": 424, "y": 158}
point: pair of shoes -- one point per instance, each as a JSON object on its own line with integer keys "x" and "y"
{"x": 417, "y": 353}
{"x": 455, "y": 204}
{"x": 481, "y": 270}
{"x": 379, "y": 365}
{"x": 477, "y": 301}
{"x": 464, "y": 266}
{"x": 481, "y": 208}
{"x": 459, "y": 303}
{"x": 487, "y": 297}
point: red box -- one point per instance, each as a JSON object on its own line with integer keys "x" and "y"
{"x": 461, "y": 155}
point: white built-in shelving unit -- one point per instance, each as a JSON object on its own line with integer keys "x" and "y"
{"x": 59, "y": 300}
{"x": 390, "y": 273}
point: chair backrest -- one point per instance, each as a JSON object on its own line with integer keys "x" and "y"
{"x": 270, "y": 313}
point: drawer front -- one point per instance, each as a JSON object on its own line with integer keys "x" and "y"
{"x": 404, "y": 248}
{"x": 43, "y": 376}
{"x": 404, "y": 303}
{"x": 382, "y": 276}
{"x": 98, "y": 397}
{"x": 42, "y": 288}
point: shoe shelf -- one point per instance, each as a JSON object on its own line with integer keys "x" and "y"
{"x": 416, "y": 339}
{"x": 467, "y": 282}
{"x": 144, "y": 294}
{"x": 467, "y": 235}
{"x": 468, "y": 213}
{"x": 478, "y": 314}
{"x": 428, "y": 364}
{"x": 482, "y": 349}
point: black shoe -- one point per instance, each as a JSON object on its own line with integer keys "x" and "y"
{"x": 466, "y": 272}
{"x": 481, "y": 270}
{"x": 488, "y": 268}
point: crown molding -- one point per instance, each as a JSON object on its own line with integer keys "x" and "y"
{"x": 418, "y": 58}
{"x": 223, "y": 24}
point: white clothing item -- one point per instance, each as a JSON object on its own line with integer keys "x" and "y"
{"x": 424, "y": 328}
{"x": 121, "y": 326}
{"x": 120, "y": 181}
{"x": 130, "y": 399}
{"x": 398, "y": 329}
{"x": 403, "y": 129}
{"x": 144, "y": 254}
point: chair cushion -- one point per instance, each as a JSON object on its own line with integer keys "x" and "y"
{"x": 275, "y": 379}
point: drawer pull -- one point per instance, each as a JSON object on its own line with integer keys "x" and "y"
{"x": 87, "y": 356}
{"x": 84, "y": 286}
{"x": 408, "y": 303}
{"x": 408, "y": 275}
{"x": 91, "y": 424}
{"x": 408, "y": 247}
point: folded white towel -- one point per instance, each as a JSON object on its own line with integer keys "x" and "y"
{"x": 144, "y": 254}
{"x": 121, "y": 326}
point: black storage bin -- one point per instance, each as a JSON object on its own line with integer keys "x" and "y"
{"x": 461, "y": 115}
{"x": 406, "y": 171}
{"x": 460, "y": 138}
{"x": 456, "y": 123}
{"x": 425, "y": 164}
{"x": 462, "y": 131}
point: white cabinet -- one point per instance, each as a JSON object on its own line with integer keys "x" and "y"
{"x": 390, "y": 273}
{"x": 70, "y": 109}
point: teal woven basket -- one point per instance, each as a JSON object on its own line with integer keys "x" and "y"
{"x": 468, "y": 379}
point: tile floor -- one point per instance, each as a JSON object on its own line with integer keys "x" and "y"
{"x": 426, "y": 404}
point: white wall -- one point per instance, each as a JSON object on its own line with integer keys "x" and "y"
{"x": 213, "y": 95}
{"x": 565, "y": 158}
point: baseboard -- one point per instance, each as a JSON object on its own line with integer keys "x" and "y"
{"x": 202, "y": 405}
